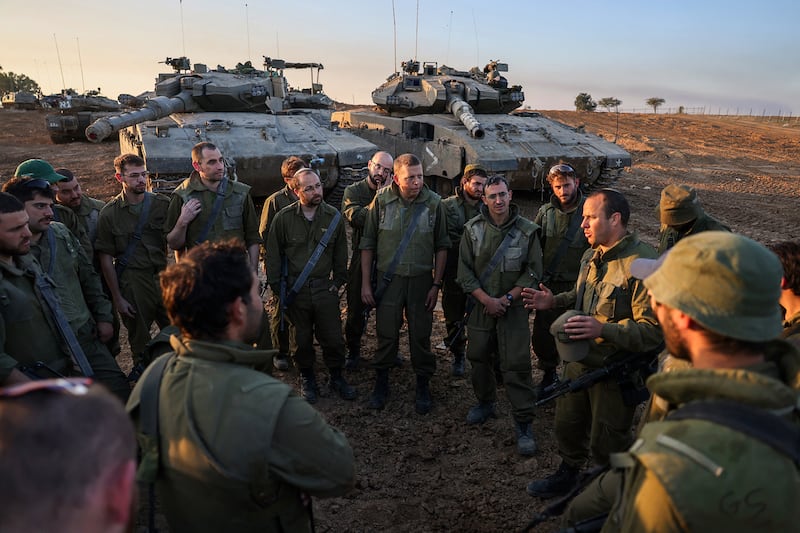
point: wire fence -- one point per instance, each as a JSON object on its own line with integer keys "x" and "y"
{"x": 713, "y": 111}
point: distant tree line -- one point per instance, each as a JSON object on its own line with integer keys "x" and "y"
{"x": 584, "y": 102}
{"x": 11, "y": 82}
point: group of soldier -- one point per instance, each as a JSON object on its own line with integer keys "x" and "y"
{"x": 598, "y": 294}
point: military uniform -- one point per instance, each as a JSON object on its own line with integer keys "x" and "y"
{"x": 139, "y": 283}
{"x": 668, "y": 236}
{"x": 82, "y": 299}
{"x": 554, "y": 223}
{"x": 673, "y": 461}
{"x": 237, "y": 218}
{"x": 508, "y": 335}
{"x": 67, "y": 216}
{"x": 357, "y": 197}
{"x": 457, "y": 212}
{"x": 597, "y": 418}
{"x": 274, "y": 338}
{"x": 27, "y": 333}
{"x": 88, "y": 213}
{"x": 315, "y": 309}
{"x": 388, "y": 217}
{"x": 250, "y": 445}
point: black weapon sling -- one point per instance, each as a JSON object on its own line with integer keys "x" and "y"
{"x": 566, "y": 240}
{"x": 312, "y": 262}
{"x": 122, "y": 263}
{"x": 384, "y": 282}
{"x": 214, "y": 210}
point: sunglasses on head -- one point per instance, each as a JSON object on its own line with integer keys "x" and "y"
{"x": 36, "y": 183}
{"x": 562, "y": 169}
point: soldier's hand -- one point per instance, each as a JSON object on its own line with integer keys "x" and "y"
{"x": 189, "y": 211}
{"x": 583, "y": 327}
{"x": 496, "y": 307}
{"x": 366, "y": 295}
{"x": 105, "y": 330}
{"x": 538, "y": 299}
{"x": 125, "y": 308}
{"x": 431, "y": 297}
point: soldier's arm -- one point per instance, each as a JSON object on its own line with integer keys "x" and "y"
{"x": 252, "y": 237}
{"x": 640, "y": 332}
{"x": 532, "y": 274}
{"x": 466, "y": 277}
{"x": 340, "y": 257}
{"x": 96, "y": 299}
{"x": 122, "y": 305}
{"x": 272, "y": 257}
{"x": 9, "y": 374}
{"x": 179, "y": 216}
{"x": 352, "y": 209}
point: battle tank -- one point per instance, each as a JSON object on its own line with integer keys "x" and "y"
{"x": 75, "y": 113}
{"x": 20, "y": 100}
{"x": 254, "y": 118}
{"x": 451, "y": 118}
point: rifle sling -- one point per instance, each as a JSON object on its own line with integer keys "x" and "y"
{"x": 122, "y": 262}
{"x": 312, "y": 262}
{"x": 384, "y": 282}
{"x": 214, "y": 210}
{"x": 566, "y": 240}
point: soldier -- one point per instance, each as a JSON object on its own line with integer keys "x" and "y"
{"x": 459, "y": 208}
{"x": 500, "y": 254}
{"x": 563, "y": 245}
{"x": 406, "y": 233}
{"x": 249, "y": 468}
{"x": 310, "y": 237}
{"x": 132, "y": 250}
{"x": 281, "y": 340}
{"x": 789, "y": 254}
{"x": 354, "y": 208}
{"x": 86, "y": 208}
{"x": 209, "y": 206}
{"x": 77, "y": 285}
{"x": 681, "y": 216}
{"x": 74, "y": 436}
{"x": 614, "y": 318}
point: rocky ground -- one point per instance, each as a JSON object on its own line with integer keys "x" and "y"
{"x": 434, "y": 473}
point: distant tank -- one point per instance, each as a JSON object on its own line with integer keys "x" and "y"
{"x": 251, "y": 115}
{"x": 75, "y": 113}
{"x": 20, "y": 100}
{"x": 451, "y": 118}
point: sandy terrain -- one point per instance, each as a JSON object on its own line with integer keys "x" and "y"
{"x": 434, "y": 473}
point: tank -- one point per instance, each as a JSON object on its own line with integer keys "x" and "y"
{"x": 75, "y": 112}
{"x": 451, "y": 118}
{"x": 20, "y": 100}
{"x": 252, "y": 115}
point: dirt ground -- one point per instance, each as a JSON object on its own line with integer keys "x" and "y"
{"x": 435, "y": 473}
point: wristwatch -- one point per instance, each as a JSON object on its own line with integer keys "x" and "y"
{"x": 509, "y": 298}
{"x": 437, "y": 284}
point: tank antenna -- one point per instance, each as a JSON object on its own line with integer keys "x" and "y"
{"x": 449, "y": 33}
{"x": 416, "y": 39}
{"x": 61, "y": 68}
{"x": 394, "y": 25}
{"x": 247, "y": 25}
{"x": 183, "y": 31}
{"x": 80, "y": 63}
{"x": 477, "y": 44}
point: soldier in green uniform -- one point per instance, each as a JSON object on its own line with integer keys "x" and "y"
{"x": 615, "y": 319}
{"x": 27, "y": 331}
{"x": 86, "y": 208}
{"x": 682, "y": 215}
{"x": 77, "y": 285}
{"x": 272, "y": 336}
{"x": 498, "y": 326}
{"x": 559, "y": 220}
{"x": 412, "y": 292}
{"x": 298, "y": 233}
{"x": 357, "y": 197}
{"x": 192, "y": 217}
{"x": 252, "y": 452}
{"x": 789, "y": 254}
{"x": 133, "y": 252}
{"x": 459, "y": 208}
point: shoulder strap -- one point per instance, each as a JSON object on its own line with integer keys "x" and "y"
{"x": 51, "y": 243}
{"x": 498, "y": 255}
{"x": 754, "y": 422}
{"x": 389, "y": 274}
{"x": 566, "y": 240}
{"x": 214, "y": 211}
{"x": 122, "y": 261}
{"x": 312, "y": 262}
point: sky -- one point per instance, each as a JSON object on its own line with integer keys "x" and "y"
{"x": 725, "y": 56}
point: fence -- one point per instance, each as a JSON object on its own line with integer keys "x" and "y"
{"x": 717, "y": 112}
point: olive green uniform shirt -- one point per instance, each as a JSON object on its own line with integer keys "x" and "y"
{"x": 355, "y": 201}
{"x": 555, "y": 223}
{"x": 237, "y": 218}
{"x": 669, "y": 236}
{"x": 274, "y": 203}
{"x": 248, "y": 444}
{"x": 457, "y": 212}
{"x": 67, "y": 216}
{"x": 88, "y": 214}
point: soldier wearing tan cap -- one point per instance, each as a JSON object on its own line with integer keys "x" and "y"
{"x": 682, "y": 215}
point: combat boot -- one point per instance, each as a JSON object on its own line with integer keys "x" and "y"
{"x": 526, "y": 445}
{"x": 377, "y": 400}
{"x": 353, "y": 357}
{"x": 549, "y": 378}
{"x": 478, "y": 414}
{"x": 459, "y": 364}
{"x": 340, "y": 385}
{"x": 308, "y": 385}
{"x": 422, "y": 400}
{"x": 557, "y": 484}
{"x": 281, "y": 362}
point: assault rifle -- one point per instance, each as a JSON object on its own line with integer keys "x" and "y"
{"x": 627, "y": 365}
{"x": 468, "y": 309}
{"x": 282, "y": 296}
{"x": 558, "y": 507}
{"x": 373, "y": 281}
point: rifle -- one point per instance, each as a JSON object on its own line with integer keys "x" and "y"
{"x": 32, "y": 371}
{"x": 468, "y": 309}
{"x": 282, "y": 296}
{"x": 373, "y": 282}
{"x": 628, "y": 364}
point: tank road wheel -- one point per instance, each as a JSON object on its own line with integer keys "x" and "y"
{"x": 441, "y": 185}
{"x": 347, "y": 176}
{"x": 607, "y": 178}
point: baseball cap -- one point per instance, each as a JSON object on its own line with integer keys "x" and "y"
{"x": 38, "y": 168}
{"x": 728, "y": 283}
{"x": 568, "y": 349}
{"x": 679, "y": 205}
{"x": 473, "y": 168}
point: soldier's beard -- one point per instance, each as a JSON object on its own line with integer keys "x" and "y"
{"x": 675, "y": 344}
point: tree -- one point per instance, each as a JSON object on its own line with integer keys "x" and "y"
{"x": 584, "y": 102}
{"x": 610, "y": 102}
{"x": 10, "y": 82}
{"x": 655, "y": 103}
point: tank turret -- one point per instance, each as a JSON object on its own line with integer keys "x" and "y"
{"x": 73, "y": 112}
{"x": 253, "y": 115}
{"x": 452, "y": 118}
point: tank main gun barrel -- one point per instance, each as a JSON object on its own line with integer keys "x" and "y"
{"x": 153, "y": 109}
{"x": 463, "y": 112}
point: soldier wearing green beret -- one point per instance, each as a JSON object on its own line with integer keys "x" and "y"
{"x": 682, "y": 215}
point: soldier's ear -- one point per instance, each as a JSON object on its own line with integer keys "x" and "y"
{"x": 784, "y": 284}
